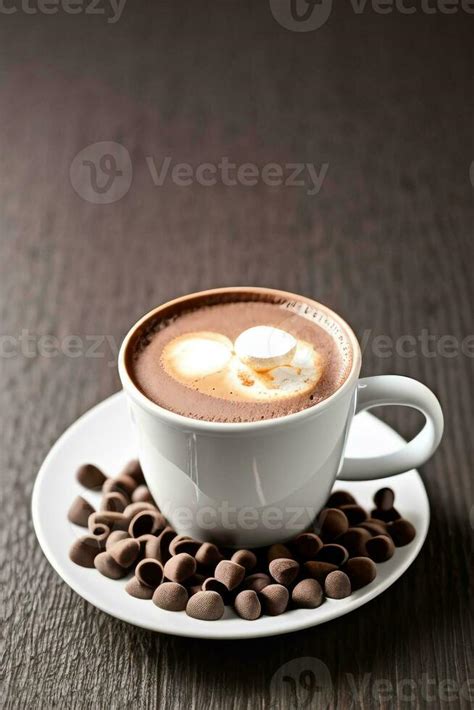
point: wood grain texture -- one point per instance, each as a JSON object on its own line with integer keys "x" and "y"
{"x": 387, "y": 101}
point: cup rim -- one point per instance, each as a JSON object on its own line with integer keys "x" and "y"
{"x": 180, "y": 420}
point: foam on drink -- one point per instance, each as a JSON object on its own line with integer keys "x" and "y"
{"x": 265, "y": 364}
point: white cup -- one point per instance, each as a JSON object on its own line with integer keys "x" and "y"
{"x": 256, "y": 483}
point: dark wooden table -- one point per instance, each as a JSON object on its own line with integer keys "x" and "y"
{"x": 386, "y": 101}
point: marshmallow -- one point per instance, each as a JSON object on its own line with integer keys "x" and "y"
{"x": 198, "y": 354}
{"x": 209, "y": 363}
{"x": 264, "y": 347}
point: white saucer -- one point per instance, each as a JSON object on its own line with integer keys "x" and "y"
{"x": 104, "y": 436}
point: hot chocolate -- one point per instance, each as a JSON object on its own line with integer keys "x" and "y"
{"x": 239, "y": 356}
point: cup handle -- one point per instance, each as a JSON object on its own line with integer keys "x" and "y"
{"x": 394, "y": 389}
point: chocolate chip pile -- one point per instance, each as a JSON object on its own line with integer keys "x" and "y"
{"x": 130, "y": 534}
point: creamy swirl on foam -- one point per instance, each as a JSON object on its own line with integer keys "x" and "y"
{"x": 264, "y": 364}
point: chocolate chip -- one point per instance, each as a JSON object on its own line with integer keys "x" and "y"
{"x": 339, "y": 498}
{"x": 247, "y": 605}
{"x": 384, "y": 499}
{"x": 380, "y": 548}
{"x": 373, "y": 526}
{"x": 207, "y": 606}
{"x": 149, "y": 546}
{"x": 114, "y": 502}
{"x": 184, "y": 543}
{"x": 318, "y": 570}
{"x": 171, "y": 596}
{"x": 149, "y": 572}
{"x": 180, "y": 567}
{"x": 337, "y": 585}
{"x": 141, "y": 494}
{"x": 134, "y": 470}
{"x": 90, "y": 476}
{"x": 115, "y": 537}
{"x": 162, "y": 553}
{"x": 208, "y": 555}
{"x": 332, "y": 523}
{"x": 79, "y": 512}
{"x": 307, "y": 594}
{"x": 147, "y": 522}
{"x": 133, "y": 508}
{"x": 138, "y": 590}
{"x": 257, "y": 581}
{"x": 278, "y": 551}
{"x": 125, "y": 552}
{"x": 211, "y": 584}
{"x": 246, "y": 558}
{"x": 284, "y": 571}
{"x": 122, "y": 484}
{"x": 274, "y": 599}
{"x": 100, "y": 533}
{"x": 354, "y": 513}
{"x": 388, "y": 516}
{"x": 107, "y": 566}
{"x": 229, "y": 573}
{"x": 114, "y": 521}
{"x": 402, "y": 532}
{"x": 361, "y": 571}
{"x": 84, "y": 550}
{"x": 354, "y": 540}
{"x": 333, "y": 553}
{"x": 307, "y": 545}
